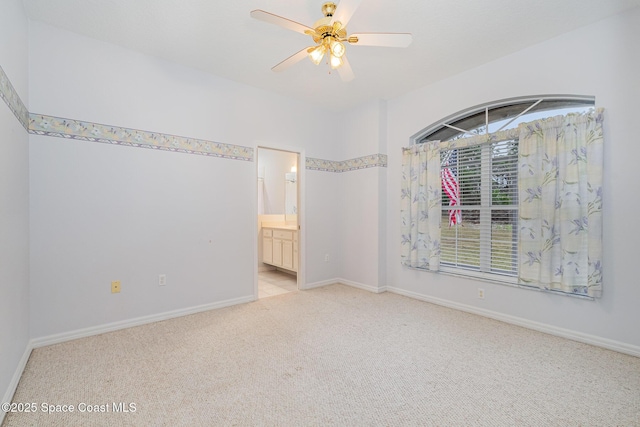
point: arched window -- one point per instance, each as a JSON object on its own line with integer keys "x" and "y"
{"x": 502, "y": 115}
{"x": 479, "y": 165}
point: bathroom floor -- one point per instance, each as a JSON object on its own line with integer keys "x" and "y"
{"x": 274, "y": 282}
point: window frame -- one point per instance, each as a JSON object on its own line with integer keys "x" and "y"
{"x": 424, "y": 135}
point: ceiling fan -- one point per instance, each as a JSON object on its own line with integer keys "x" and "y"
{"x": 330, "y": 34}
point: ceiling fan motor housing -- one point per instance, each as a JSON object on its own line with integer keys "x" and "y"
{"x": 324, "y": 28}
{"x": 328, "y": 35}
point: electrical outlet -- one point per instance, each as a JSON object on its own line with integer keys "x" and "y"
{"x": 115, "y": 287}
{"x": 162, "y": 279}
{"x": 326, "y": 257}
{"x": 480, "y": 293}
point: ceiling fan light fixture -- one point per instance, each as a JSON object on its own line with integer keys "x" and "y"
{"x": 317, "y": 54}
{"x": 337, "y": 48}
{"x": 336, "y": 62}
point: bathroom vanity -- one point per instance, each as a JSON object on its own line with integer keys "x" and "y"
{"x": 280, "y": 247}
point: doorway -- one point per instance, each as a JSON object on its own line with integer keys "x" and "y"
{"x": 278, "y": 196}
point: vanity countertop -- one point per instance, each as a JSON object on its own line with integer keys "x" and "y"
{"x": 281, "y": 227}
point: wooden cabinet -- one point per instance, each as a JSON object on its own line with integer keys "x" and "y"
{"x": 277, "y": 252}
{"x": 295, "y": 251}
{"x": 280, "y": 248}
{"x": 267, "y": 246}
{"x": 287, "y": 254}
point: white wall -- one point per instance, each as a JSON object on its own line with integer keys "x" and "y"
{"x": 363, "y": 197}
{"x": 326, "y": 189}
{"x": 14, "y": 200}
{"x": 360, "y": 225}
{"x": 361, "y": 130}
{"x": 101, "y": 212}
{"x": 602, "y": 59}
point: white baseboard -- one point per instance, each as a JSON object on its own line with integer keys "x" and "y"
{"x": 339, "y": 280}
{"x": 13, "y": 385}
{"x": 308, "y": 286}
{"x": 537, "y": 326}
{"x": 110, "y": 327}
{"x": 362, "y": 286}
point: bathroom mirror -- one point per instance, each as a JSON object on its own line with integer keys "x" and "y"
{"x": 277, "y": 183}
{"x": 290, "y": 194}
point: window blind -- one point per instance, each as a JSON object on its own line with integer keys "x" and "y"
{"x": 480, "y": 207}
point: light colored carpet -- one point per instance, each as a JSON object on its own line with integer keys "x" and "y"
{"x": 332, "y": 356}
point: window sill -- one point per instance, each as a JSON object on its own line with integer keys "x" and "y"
{"x": 497, "y": 279}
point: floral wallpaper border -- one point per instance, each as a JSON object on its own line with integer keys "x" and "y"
{"x": 12, "y": 99}
{"x": 370, "y": 161}
{"x": 41, "y": 124}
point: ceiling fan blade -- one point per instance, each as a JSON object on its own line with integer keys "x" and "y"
{"x": 295, "y": 58}
{"x": 345, "y": 71}
{"x": 344, "y": 11}
{"x": 382, "y": 39}
{"x": 261, "y": 15}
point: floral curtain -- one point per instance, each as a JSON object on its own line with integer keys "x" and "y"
{"x": 420, "y": 206}
{"x": 560, "y": 204}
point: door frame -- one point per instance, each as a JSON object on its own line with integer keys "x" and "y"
{"x": 301, "y": 178}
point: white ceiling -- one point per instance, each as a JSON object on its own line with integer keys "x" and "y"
{"x": 220, "y": 37}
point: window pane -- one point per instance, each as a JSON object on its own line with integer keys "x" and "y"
{"x": 469, "y": 168}
{"x": 543, "y": 110}
{"x": 461, "y": 176}
{"x": 504, "y": 241}
{"x": 504, "y": 173}
{"x": 460, "y": 243}
{"x": 476, "y": 122}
